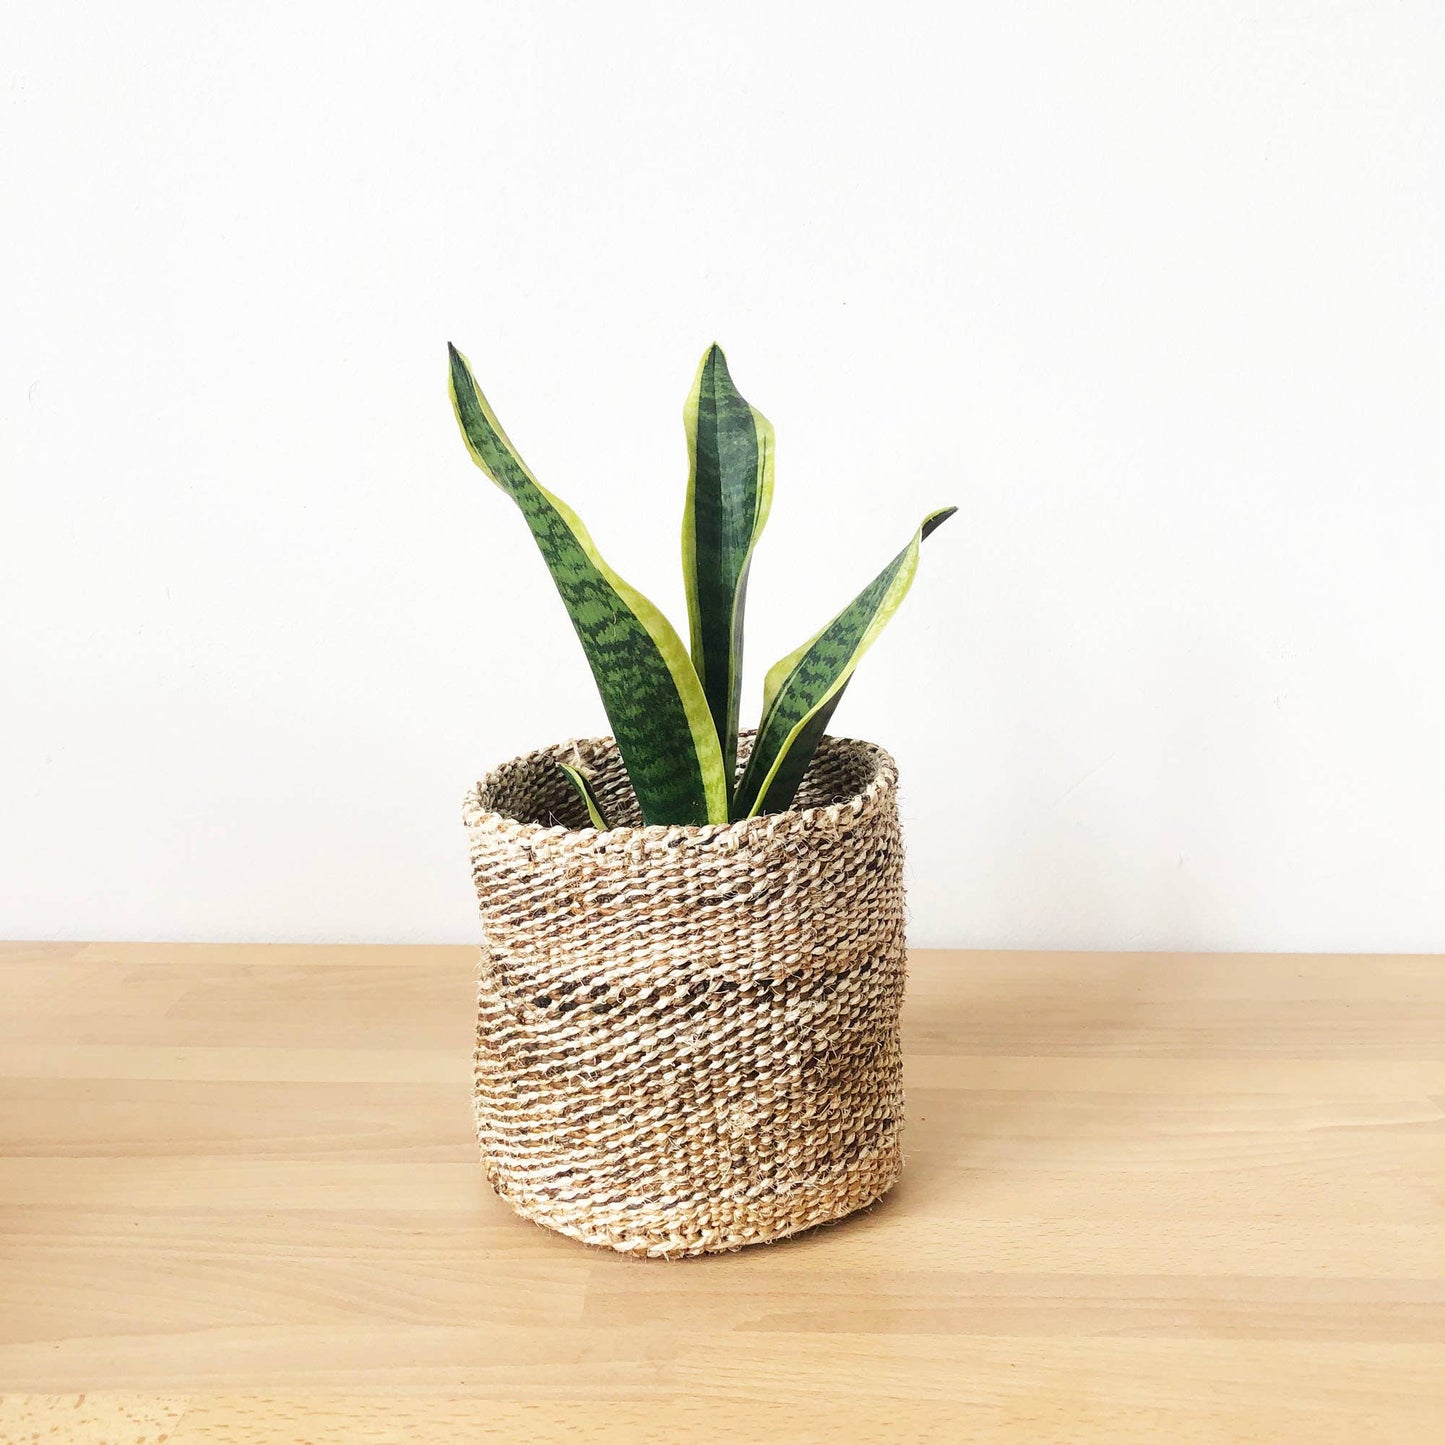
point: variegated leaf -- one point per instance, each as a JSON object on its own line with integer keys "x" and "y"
{"x": 649, "y": 687}
{"x": 729, "y": 492}
{"x": 802, "y": 690}
{"x": 582, "y": 783}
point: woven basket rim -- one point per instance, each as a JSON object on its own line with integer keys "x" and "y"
{"x": 882, "y": 785}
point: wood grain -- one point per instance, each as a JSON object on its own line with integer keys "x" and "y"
{"x": 1193, "y": 1199}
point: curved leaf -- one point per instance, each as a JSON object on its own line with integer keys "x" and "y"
{"x": 729, "y": 492}
{"x": 653, "y": 698}
{"x": 803, "y": 689}
{"x": 579, "y": 780}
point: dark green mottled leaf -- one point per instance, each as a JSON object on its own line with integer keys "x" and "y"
{"x": 649, "y": 687}
{"x": 803, "y": 689}
{"x": 729, "y": 491}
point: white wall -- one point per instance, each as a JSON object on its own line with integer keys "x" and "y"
{"x": 1154, "y": 292}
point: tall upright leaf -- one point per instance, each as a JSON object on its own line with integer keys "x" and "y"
{"x": 729, "y": 492}
{"x": 802, "y": 690}
{"x": 649, "y": 687}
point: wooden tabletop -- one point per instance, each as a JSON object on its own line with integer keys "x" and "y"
{"x": 1148, "y": 1198}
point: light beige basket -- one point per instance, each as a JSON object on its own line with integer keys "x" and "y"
{"x": 687, "y": 1037}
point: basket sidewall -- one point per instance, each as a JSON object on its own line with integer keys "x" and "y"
{"x": 688, "y": 1039}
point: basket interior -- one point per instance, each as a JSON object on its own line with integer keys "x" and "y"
{"x": 534, "y": 790}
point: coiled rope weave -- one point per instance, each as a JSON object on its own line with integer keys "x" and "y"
{"x": 687, "y": 1037}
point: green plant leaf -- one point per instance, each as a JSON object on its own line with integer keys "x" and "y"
{"x": 729, "y": 492}
{"x": 582, "y": 783}
{"x": 649, "y": 687}
{"x": 802, "y": 690}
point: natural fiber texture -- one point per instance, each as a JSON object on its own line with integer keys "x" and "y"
{"x": 687, "y": 1037}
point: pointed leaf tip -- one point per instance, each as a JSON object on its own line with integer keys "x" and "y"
{"x": 935, "y": 520}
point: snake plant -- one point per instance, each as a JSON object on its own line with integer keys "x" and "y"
{"x": 674, "y": 711}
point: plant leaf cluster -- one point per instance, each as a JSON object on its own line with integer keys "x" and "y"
{"x": 673, "y": 709}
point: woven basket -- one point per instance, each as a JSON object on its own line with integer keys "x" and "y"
{"x": 687, "y": 1037}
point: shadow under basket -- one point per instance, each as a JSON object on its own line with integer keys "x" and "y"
{"x": 687, "y": 1037}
